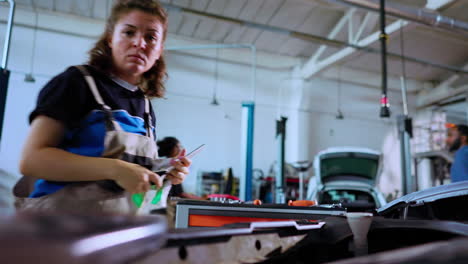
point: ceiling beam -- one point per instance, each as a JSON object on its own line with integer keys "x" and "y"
{"x": 438, "y": 4}
{"x": 451, "y": 79}
{"x": 312, "y": 67}
{"x": 434, "y": 96}
{"x": 368, "y": 23}
{"x": 334, "y": 31}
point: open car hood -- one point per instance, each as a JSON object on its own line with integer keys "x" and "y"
{"x": 347, "y": 164}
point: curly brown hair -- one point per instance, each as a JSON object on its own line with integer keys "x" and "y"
{"x": 100, "y": 56}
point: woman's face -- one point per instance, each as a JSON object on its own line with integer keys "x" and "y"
{"x": 136, "y": 44}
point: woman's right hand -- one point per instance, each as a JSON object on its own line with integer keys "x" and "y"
{"x": 135, "y": 178}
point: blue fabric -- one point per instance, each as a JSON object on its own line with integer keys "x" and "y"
{"x": 89, "y": 141}
{"x": 43, "y": 187}
{"x": 459, "y": 170}
{"x": 67, "y": 98}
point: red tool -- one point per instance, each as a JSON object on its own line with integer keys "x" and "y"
{"x": 301, "y": 203}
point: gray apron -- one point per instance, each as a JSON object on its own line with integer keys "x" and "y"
{"x": 103, "y": 196}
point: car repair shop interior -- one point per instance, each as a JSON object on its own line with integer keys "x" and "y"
{"x": 289, "y": 131}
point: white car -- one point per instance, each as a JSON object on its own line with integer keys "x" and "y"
{"x": 347, "y": 176}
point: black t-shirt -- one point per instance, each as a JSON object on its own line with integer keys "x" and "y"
{"x": 68, "y": 99}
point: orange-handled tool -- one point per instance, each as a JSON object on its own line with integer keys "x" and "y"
{"x": 301, "y": 203}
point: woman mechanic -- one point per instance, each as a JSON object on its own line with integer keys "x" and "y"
{"x": 66, "y": 139}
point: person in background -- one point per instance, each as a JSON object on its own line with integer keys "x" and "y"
{"x": 170, "y": 147}
{"x": 457, "y": 141}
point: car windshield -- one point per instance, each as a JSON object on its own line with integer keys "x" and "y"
{"x": 349, "y": 166}
{"x": 340, "y": 196}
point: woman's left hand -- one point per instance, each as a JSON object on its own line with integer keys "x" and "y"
{"x": 181, "y": 165}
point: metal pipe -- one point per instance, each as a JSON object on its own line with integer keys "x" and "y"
{"x": 209, "y": 46}
{"x": 248, "y": 119}
{"x": 253, "y": 62}
{"x": 417, "y": 15}
{"x": 6, "y": 46}
{"x": 406, "y": 127}
{"x": 403, "y": 96}
{"x": 403, "y": 75}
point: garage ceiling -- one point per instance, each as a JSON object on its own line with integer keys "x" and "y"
{"x": 315, "y": 17}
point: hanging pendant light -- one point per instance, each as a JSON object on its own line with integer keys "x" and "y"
{"x": 214, "y": 100}
{"x": 29, "y": 76}
{"x": 339, "y": 114}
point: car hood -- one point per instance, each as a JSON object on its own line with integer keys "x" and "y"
{"x": 427, "y": 196}
{"x": 347, "y": 164}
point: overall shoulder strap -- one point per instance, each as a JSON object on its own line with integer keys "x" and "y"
{"x": 148, "y": 119}
{"x": 92, "y": 86}
{"x": 111, "y": 124}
